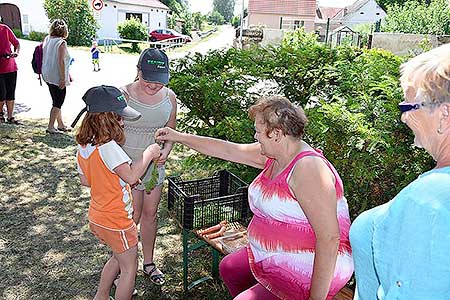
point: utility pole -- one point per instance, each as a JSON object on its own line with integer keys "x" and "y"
{"x": 242, "y": 25}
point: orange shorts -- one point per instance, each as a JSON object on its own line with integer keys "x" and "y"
{"x": 118, "y": 240}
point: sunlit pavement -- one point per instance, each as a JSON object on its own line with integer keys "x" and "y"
{"x": 33, "y": 100}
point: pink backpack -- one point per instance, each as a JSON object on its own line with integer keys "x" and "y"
{"x": 36, "y": 62}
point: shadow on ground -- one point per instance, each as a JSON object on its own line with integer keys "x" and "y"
{"x": 46, "y": 249}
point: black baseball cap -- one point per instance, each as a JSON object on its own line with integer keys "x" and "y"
{"x": 154, "y": 65}
{"x": 107, "y": 98}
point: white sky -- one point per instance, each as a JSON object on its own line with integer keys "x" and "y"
{"x": 205, "y": 6}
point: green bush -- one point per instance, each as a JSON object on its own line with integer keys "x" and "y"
{"x": 78, "y": 16}
{"x": 133, "y": 29}
{"x": 37, "y": 36}
{"x": 18, "y": 33}
{"x": 422, "y": 17}
{"x": 350, "y": 96}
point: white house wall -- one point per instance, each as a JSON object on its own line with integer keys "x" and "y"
{"x": 369, "y": 16}
{"x": 34, "y": 11}
{"x": 114, "y": 13}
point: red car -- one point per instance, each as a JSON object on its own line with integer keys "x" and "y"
{"x": 164, "y": 34}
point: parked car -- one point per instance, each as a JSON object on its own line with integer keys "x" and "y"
{"x": 164, "y": 34}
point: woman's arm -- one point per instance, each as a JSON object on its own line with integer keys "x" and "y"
{"x": 83, "y": 180}
{"x": 61, "y": 63}
{"x": 131, "y": 173}
{"x": 172, "y": 123}
{"x": 248, "y": 154}
{"x": 313, "y": 185}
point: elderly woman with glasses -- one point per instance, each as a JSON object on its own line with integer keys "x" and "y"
{"x": 400, "y": 249}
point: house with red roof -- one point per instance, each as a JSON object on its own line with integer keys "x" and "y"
{"x": 360, "y": 12}
{"x": 282, "y": 14}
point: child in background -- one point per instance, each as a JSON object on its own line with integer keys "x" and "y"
{"x": 95, "y": 51}
{"x": 107, "y": 170}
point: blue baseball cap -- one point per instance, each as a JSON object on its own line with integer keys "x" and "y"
{"x": 154, "y": 65}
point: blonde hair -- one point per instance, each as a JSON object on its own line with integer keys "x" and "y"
{"x": 278, "y": 112}
{"x": 429, "y": 73}
{"x": 59, "y": 28}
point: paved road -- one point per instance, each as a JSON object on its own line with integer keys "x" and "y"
{"x": 33, "y": 100}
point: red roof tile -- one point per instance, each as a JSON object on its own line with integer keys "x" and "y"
{"x": 329, "y": 12}
{"x": 283, "y": 7}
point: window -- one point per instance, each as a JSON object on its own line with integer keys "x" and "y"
{"x": 291, "y": 24}
{"x": 361, "y": 13}
{"x": 133, "y": 15}
{"x": 25, "y": 19}
{"x": 377, "y": 14}
{"x": 298, "y": 24}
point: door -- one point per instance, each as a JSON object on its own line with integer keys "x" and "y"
{"x": 11, "y": 15}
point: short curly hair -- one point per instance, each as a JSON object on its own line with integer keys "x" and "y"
{"x": 429, "y": 73}
{"x": 59, "y": 28}
{"x": 278, "y": 112}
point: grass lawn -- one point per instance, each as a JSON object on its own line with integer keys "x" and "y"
{"x": 46, "y": 248}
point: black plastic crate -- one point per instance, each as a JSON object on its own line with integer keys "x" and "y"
{"x": 205, "y": 202}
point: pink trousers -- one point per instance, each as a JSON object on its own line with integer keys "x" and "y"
{"x": 237, "y": 276}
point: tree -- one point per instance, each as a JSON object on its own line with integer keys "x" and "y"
{"x": 419, "y": 17}
{"x": 197, "y": 19}
{"x": 78, "y": 16}
{"x": 225, "y": 8}
{"x": 180, "y": 11}
{"x": 384, "y": 4}
{"x": 132, "y": 29}
{"x": 216, "y": 18}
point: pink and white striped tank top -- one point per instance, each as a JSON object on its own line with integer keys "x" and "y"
{"x": 281, "y": 240}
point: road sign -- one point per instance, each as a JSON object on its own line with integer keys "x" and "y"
{"x": 97, "y": 4}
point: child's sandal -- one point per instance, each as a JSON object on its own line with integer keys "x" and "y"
{"x": 157, "y": 279}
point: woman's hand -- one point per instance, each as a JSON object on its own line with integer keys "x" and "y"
{"x": 167, "y": 134}
{"x": 62, "y": 84}
{"x": 153, "y": 152}
{"x": 164, "y": 155}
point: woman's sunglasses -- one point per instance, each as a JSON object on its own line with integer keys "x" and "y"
{"x": 404, "y": 107}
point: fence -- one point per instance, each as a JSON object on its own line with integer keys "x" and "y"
{"x": 109, "y": 43}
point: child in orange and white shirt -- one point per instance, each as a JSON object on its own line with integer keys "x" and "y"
{"x": 108, "y": 171}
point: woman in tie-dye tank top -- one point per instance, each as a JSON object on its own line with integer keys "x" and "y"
{"x": 298, "y": 237}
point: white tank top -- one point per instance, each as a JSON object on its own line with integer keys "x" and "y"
{"x": 50, "y": 66}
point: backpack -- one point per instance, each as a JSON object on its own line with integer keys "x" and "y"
{"x": 36, "y": 62}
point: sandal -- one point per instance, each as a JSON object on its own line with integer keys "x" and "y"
{"x": 64, "y": 129}
{"x": 2, "y": 118}
{"x": 116, "y": 282}
{"x": 13, "y": 121}
{"x": 157, "y": 279}
{"x": 53, "y": 131}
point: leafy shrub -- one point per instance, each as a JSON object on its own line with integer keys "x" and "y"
{"x": 350, "y": 96}
{"x": 18, "y": 33}
{"x": 423, "y": 17}
{"x": 78, "y": 16}
{"x": 37, "y": 36}
{"x": 133, "y": 29}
